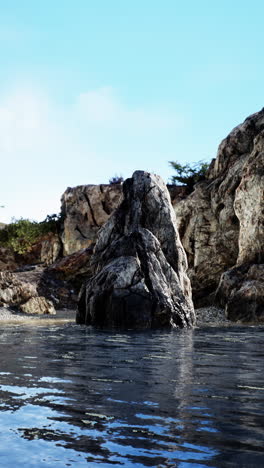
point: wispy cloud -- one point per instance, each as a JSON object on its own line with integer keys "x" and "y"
{"x": 103, "y": 107}
{"x": 46, "y": 147}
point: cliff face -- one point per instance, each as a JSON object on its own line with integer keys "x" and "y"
{"x": 85, "y": 209}
{"x": 221, "y": 222}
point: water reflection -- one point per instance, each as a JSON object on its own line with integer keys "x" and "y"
{"x": 72, "y": 396}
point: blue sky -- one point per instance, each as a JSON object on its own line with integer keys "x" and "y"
{"x": 94, "y": 88}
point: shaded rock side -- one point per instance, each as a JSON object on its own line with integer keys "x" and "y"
{"x": 85, "y": 209}
{"x": 139, "y": 264}
{"x": 221, "y": 221}
{"x": 241, "y": 293}
{"x": 7, "y": 259}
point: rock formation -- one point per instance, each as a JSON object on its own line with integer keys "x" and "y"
{"x": 38, "y": 305}
{"x": 221, "y": 222}
{"x": 85, "y": 209}
{"x": 23, "y": 295}
{"x": 139, "y": 264}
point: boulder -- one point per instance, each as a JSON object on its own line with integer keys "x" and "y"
{"x": 21, "y": 286}
{"x": 13, "y": 291}
{"x": 139, "y": 264}
{"x": 38, "y": 305}
{"x": 241, "y": 293}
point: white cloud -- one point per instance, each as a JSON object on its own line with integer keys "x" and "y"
{"x": 103, "y": 107}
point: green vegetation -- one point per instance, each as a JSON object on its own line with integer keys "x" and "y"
{"x": 189, "y": 174}
{"x": 21, "y": 234}
{"x": 116, "y": 179}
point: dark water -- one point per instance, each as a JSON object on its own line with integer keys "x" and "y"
{"x": 72, "y": 396}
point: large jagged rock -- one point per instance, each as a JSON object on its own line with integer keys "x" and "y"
{"x": 139, "y": 264}
{"x": 85, "y": 209}
{"x": 221, "y": 222}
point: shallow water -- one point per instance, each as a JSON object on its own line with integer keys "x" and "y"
{"x": 73, "y": 396}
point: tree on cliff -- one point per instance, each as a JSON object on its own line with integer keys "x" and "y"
{"x": 189, "y": 174}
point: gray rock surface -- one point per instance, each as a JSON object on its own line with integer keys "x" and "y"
{"x": 139, "y": 264}
{"x": 221, "y": 222}
{"x": 14, "y": 291}
{"x": 85, "y": 209}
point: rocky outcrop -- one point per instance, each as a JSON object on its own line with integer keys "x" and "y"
{"x": 17, "y": 288}
{"x": 13, "y": 291}
{"x": 85, "y": 209}
{"x": 221, "y": 222}
{"x": 23, "y": 295}
{"x": 139, "y": 264}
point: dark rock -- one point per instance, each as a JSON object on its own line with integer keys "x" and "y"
{"x": 7, "y": 259}
{"x": 241, "y": 292}
{"x": 139, "y": 264}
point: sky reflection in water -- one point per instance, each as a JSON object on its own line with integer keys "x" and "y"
{"x": 73, "y": 396}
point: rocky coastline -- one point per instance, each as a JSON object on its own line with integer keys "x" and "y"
{"x": 218, "y": 229}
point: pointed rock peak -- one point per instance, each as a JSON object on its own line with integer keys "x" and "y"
{"x": 139, "y": 264}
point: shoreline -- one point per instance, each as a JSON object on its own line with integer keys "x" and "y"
{"x": 206, "y": 316}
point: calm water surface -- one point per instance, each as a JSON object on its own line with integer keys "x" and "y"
{"x": 73, "y": 396}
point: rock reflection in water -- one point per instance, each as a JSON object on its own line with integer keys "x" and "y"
{"x": 72, "y": 396}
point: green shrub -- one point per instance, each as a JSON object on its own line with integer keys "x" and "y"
{"x": 116, "y": 179}
{"x": 189, "y": 174}
{"x": 21, "y": 234}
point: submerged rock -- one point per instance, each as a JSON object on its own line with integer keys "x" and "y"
{"x": 139, "y": 264}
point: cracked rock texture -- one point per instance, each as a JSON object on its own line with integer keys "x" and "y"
{"x": 139, "y": 264}
{"x": 15, "y": 292}
{"x": 85, "y": 209}
{"x": 221, "y": 222}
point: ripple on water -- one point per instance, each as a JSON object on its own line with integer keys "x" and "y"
{"x": 185, "y": 399}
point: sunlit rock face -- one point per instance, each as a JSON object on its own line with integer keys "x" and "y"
{"x": 85, "y": 209}
{"x": 38, "y": 306}
{"x": 139, "y": 264}
{"x": 221, "y": 222}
